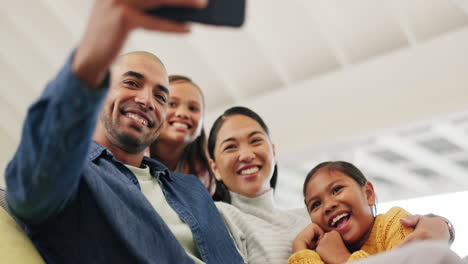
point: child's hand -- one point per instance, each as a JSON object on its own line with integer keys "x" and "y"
{"x": 307, "y": 238}
{"x": 332, "y": 249}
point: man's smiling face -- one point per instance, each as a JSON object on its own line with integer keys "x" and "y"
{"x": 135, "y": 107}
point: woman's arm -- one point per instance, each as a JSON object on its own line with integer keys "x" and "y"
{"x": 428, "y": 227}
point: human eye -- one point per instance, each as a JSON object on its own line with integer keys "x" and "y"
{"x": 194, "y": 108}
{"x": 130, "y": 83}
{"x": 336, "y": 189}
{"x": 172, "y": 104}
{"x": 314, "y": 205}
{"x": 229, "y": 147}
{"x": 161, "y": 98}
{"x": 256, "y": 140}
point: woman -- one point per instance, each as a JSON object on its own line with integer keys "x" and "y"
{"x": 182, "y": 143}
{"x": 243, "y": 161}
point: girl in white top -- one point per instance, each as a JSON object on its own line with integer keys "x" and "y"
{"x": 243, "y": 161}
{"x": 182, "y": 143}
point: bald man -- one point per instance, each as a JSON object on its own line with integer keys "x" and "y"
{"x": 95, "y": 198}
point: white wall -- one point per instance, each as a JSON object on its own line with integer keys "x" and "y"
{"x": 389, "y": 91}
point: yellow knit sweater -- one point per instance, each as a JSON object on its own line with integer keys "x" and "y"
{"x": 386, "y": 233}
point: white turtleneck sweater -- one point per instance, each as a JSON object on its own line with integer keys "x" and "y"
{"x": 263, "y": 233}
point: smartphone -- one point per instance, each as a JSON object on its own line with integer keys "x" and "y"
{"x": 217, "y": 12}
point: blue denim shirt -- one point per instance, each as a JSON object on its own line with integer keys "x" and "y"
{"x": 81, "y": 205}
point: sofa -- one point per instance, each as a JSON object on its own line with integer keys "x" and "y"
{"x": 15, "y": 246}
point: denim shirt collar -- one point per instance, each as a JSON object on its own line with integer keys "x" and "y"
{"x": 157, "y": 169}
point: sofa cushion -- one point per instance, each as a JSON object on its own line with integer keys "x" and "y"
{"x": 15, "y": 246}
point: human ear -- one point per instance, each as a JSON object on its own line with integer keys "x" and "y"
{"x": 274, "y": 151}
{"x": 370, "y": 193}
{"x": 214, "y": 169}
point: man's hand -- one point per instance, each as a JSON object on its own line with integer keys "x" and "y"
{"x": 425, "y": 228}
{"x": 307, "y": 238}
{"x": 109, "y": 25}
{"x": 332, "y": 249}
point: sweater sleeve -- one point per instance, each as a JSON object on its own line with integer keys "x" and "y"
{"x": 358, "y": 255}
{"x": 306, "y": 256}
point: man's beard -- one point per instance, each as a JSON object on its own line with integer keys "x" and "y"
{"x": 124, "y": 141}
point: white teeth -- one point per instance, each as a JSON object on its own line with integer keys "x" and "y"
{"x": 249, "y": 171}
{"x": 338, "y": 218}
{"x": 177, "y": 124}
{"x": 137, "y": 118}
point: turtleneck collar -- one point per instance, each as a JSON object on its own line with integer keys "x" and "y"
{"x": 264, "y": 201}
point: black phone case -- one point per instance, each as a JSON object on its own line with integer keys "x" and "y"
{"x": 217, "y": 12}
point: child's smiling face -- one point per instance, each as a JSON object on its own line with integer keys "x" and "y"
{"x": 335, "y": 201}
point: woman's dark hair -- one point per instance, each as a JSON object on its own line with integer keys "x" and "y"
{"x": 222, "y": 192}
{"x": 341, "y": 166}
{"x": 195, "y": 152}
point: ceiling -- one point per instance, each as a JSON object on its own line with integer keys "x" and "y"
{"x": 383, "y": 84}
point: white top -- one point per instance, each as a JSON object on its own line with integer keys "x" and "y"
{"x": 153, "y": 192}
{"x": 263, "y": 233}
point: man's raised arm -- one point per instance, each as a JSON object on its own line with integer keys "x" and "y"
{"x": 45, "y": 170}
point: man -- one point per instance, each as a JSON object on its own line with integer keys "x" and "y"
{"x": 91, "y": 198}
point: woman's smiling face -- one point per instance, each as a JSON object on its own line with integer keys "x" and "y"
{"x": 244, "y": 157}
{"x": 184, "y": 118}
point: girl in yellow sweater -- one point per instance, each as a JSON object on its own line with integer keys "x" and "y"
{"x": 341, "y": 204}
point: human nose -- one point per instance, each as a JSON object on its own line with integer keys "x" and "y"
{"x": 330, "y": 204}
{"x": 246, "y": 154}
{"x": 144, "y": 98}
{"x": 181, "y": 112}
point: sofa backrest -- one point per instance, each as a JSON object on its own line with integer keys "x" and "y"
{"x": 4, "y": 205}
{"x": 3, "y": 202}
